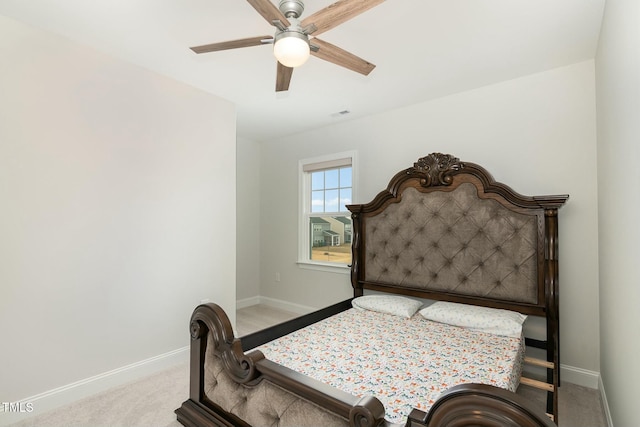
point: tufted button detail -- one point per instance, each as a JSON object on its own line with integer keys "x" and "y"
{"x": 484, "y": 235}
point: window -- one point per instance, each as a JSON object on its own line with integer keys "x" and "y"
{"x": 326, "y": 188}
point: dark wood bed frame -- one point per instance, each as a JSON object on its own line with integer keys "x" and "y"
{"x": 442, "y": 230}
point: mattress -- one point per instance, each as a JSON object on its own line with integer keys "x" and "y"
{"x": 405, "y": 363}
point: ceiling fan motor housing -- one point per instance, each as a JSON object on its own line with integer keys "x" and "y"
{"x": 291, "y": 8}
{"x": 294, "y": 30}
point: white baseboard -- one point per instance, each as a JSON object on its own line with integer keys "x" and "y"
{"x": 276, "y": 303}
{"x": 69, "y": 393}
{"x": 247, "y": 302}
{"x": 605, "y": 403}
{"x": 287, "y": 306}
{"x": 570, "y": 374}
{"x": 579, "y": 376}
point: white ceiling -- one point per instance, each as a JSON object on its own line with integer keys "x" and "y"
{"x": 423, "y": 49}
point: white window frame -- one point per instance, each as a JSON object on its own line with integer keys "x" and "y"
{"x": 304, "y": 209}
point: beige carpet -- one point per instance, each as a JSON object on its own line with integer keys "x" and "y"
{"x": 578, "y": 406}
{"x": 146, "y": 402}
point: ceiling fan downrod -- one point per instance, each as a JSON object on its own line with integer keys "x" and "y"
{"x": 291, "y": 8}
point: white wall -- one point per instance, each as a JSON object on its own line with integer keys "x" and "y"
{"x": 117, "y": 188}
{"x": 618, "y": 100}
{"x": 536, "y": 133}
{"x": 248, "y": 206}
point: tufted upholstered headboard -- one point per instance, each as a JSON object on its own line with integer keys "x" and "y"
{"x": 444, "y": 229}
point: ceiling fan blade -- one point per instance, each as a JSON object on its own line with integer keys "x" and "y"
{"x": 337, "y": 13}
{"x": 283, "y": 77}
{"x": 341, "y": 57}
{"x": 269, "y": 11}
{"x": 232, "y": 44}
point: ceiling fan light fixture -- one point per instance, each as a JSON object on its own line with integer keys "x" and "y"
{"x": 291, "y": 48}
{"x": 295, "y": 40}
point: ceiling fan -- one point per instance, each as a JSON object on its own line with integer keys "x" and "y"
{"x": 292, "y": 45}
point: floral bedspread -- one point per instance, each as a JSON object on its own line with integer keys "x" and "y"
{"x": 406, "y": 363}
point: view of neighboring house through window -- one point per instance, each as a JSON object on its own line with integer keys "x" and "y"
{"x": 328, "y": 189}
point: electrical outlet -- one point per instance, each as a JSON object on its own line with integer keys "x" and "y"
{"x": 277, "y": 277}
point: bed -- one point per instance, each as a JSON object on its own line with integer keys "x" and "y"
{"x": 444, "y": 235}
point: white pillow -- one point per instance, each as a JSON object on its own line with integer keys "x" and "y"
{"x": 484, "y": 319}
{"x": 389, "y": 304}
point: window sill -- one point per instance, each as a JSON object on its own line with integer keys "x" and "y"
{"x": 328, "y": 267}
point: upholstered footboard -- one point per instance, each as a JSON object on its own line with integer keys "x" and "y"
{"x": 264, "y": 403}
{"x": 231, "y": 388}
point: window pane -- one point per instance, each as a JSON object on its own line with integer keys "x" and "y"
{"x": 345, "y": 177}
{"x": 317, "y": 201}
{"x": 327, "y": 221}
{"x": 317, "y": 180}
{"x": 345, "y": 198}
{"x": 331, "y": 239}
{"x": 331, "y": 178}
{"x": 331, "y": 201}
